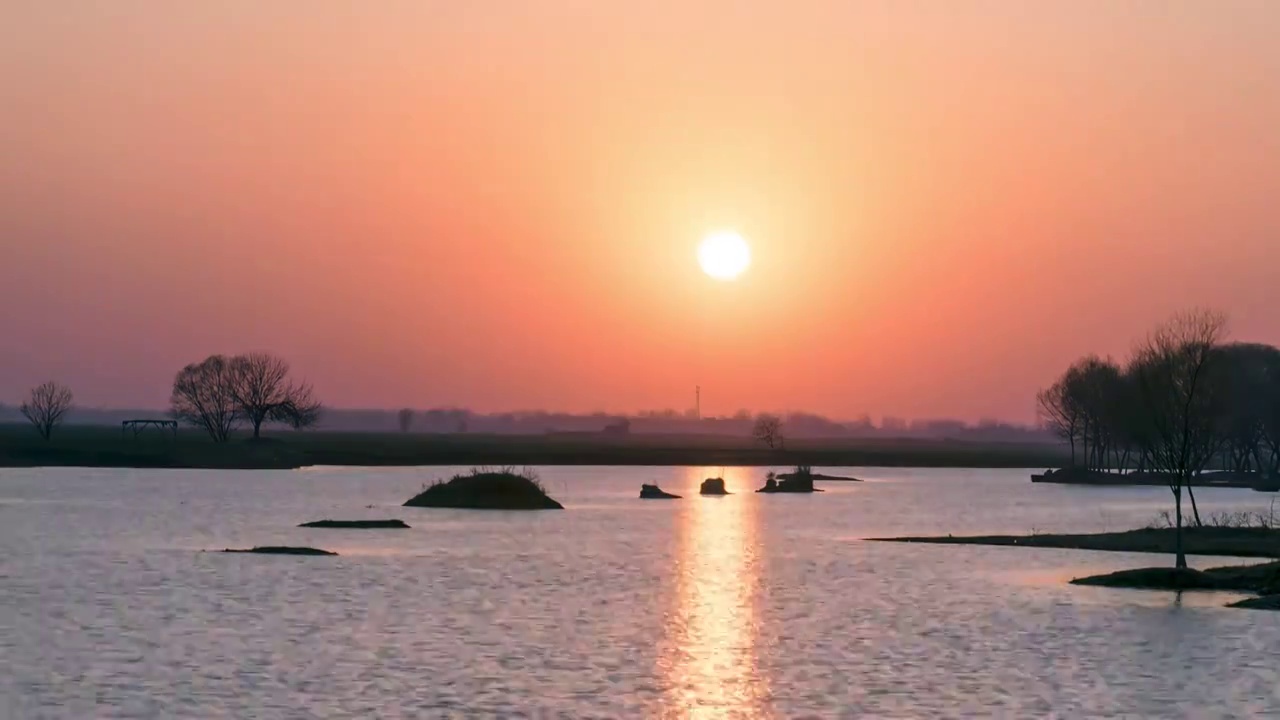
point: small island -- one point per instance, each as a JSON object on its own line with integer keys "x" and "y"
{"x": 1263, "y": 579}
{"x": 653, "y": 492}
{"x": 483, "y": 489}
{"x": 358, "y": 524}
{"x": 281, "y": 550}
{"x": 713, "y": 486}
{"x": 800, "y": 481}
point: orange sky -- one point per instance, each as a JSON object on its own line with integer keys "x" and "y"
{"x": 496, "y": 204}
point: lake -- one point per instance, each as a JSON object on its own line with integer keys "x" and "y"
{"x": 746, "y": 606}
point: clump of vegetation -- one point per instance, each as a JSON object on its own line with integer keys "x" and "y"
{"x": 487, "y": 489}
{"x": 799, "y": 480}
{"x": 1244, "y": 519}
{"x": 713, "y": 486}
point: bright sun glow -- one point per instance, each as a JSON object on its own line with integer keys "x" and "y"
{"x": 724, "y": 255}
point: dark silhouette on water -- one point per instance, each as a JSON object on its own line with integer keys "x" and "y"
{"x": 800, "y": 481}
{"x": 281, "y": 550}
{"x": 653, "y": 492}
{"x": 487, "y": 490}
{"x": 713, "y": 486}
{"x": 358, "y": 524}
{"x": 1263, "y": 579}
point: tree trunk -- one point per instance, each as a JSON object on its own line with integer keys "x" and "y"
{"x": 257, "y": 428}
{"x": 1195, "y": 511}
{"x": 1181, "y": 559}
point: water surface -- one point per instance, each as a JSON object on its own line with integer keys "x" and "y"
{"x": 744, "y": 606}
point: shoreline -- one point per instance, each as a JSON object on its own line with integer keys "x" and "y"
{"x": 1210, "y": 541}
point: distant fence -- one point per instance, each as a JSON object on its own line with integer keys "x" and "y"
{"x": 139, "y": 426}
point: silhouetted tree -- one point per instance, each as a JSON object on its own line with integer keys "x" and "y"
{"x": 263, "y": 392}
{"x": 1271, "y": 414}
{"x": 405, "y": 418}
{"x": 1249, "y": 373}
{"x": 1181, "y": 401}
{"x": 303, "y": 411}
{"x": 203, "y": 395}
{"x": 768, "y": 430}
{"x": 45, "y": 407}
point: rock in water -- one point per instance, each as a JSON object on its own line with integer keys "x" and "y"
{"x": 282, "y": 550}
{"x": 358, "y": 524}
{"x": 653, "y": 492}
{"x": 713, "y": 486}
{"x": 487, "y": 491}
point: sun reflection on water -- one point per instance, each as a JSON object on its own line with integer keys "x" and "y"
{"x": 710, "y": 662}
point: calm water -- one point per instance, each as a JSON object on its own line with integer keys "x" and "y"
{"x": 744, "y": 606}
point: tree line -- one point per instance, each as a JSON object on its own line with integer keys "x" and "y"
{"x": 1186, "y": 399}
{"x": 1112, "y": 415}
{"x": 219, "y": 393}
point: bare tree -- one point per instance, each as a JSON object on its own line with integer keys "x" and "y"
{"x": 1059, "y": 414}
{"x": 302, "y": 411}
{"x": 203, "y": 396}
{"x": 263, "y": 392}
{"x": 45, "y": 407}
{"x": 405, "y": 418}
{"x": 768, "y": 430}
{"x": 1182, "y": 414}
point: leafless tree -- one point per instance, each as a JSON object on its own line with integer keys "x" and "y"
{"x": 1173, "y": 369}
{"x": 1060, "y": 415}
{"x": 45, "y": 407}
{"x": 302, "y": 411}
{"x": 768, "y": 430}
{"x": 203, "y": 396}
{"x": 405, "y": 418}
{"x": 263, "y": 392}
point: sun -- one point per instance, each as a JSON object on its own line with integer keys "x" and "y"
{"x": 724, "y": 255}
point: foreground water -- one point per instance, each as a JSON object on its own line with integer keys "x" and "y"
{"x": 743, "y": 606}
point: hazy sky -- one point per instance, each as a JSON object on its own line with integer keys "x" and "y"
{"x": 496, "y": 203}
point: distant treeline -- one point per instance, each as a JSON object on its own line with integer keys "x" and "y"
{"x": 455, "y": 420}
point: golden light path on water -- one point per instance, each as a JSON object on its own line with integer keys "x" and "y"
{"x": 710, "y": 650}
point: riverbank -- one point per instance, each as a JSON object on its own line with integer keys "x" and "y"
{"x": 102, "y": 446}
{"x": 1221, "y": 541}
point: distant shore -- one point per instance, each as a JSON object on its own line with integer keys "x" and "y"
{"x": 104, "y": 446}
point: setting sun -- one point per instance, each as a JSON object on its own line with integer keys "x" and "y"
{"x": 724, "y": 255}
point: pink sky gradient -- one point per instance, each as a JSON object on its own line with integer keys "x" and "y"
{"x": 496, "y": 204}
